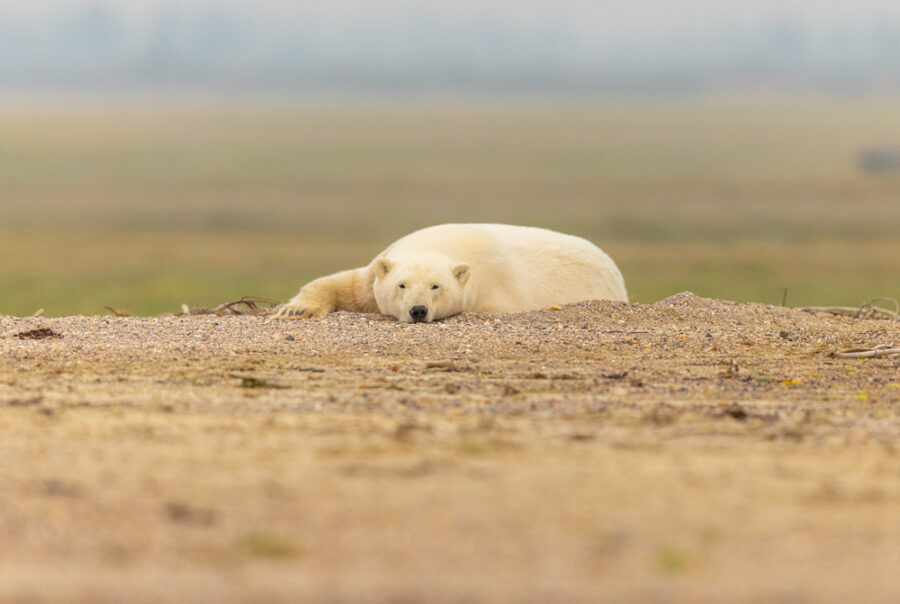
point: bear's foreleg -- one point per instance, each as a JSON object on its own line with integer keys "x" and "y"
{"x": 348, "y": 290}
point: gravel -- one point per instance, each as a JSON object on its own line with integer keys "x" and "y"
{"x": 678, "y": 450}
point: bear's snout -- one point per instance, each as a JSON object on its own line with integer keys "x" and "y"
{"x": 418, "y": 313}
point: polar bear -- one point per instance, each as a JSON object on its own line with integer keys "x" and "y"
{"x": 443, "y": 270}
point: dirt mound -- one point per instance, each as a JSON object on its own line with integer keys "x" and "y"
{"x": 603, "y": 451}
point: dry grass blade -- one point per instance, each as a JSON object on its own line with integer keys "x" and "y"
{"x": 248, "y": 305}
{"x": 250, "y": 381}
{"x": 867, "y": 311}
{"x": 118, "y": 313}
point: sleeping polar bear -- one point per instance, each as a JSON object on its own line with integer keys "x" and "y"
{"x": 443, "y": 270}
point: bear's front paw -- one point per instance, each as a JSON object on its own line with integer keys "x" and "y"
{"x": 293, "y": 310}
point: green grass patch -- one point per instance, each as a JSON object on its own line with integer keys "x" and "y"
{"x": 147, "y": 207}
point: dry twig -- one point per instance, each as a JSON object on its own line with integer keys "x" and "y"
{"x": 866, "y": 311}
{"x": 882, "y": 350}
{"x": 252, "y": 304}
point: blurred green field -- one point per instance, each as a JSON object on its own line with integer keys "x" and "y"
{"x": 145, "y": 205}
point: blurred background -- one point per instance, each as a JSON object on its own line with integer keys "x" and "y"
{"x": 154, "y": 153}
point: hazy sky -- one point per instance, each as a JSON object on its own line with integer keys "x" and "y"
{"x": 589, "y": 44}
{"x": 595, "y": 16}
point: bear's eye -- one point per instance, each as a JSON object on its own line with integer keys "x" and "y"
{"x": 402, "y": 286}
{"x": 435, "y": 286}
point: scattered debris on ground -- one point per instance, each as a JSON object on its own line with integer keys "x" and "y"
{"x": 38, "y": 334}
{"x": 867, "y": 311}
{"x": 248, "y": 305}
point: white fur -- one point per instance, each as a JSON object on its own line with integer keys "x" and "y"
{"x": 492, "y": 268}
{"x": 512, "y": 269}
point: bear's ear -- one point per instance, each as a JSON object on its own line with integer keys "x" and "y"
{"x": 461, "y": 272}
{"x": 383, "y": 266}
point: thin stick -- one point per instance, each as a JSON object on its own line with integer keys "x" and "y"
{"x": 866, "y": 311}
{"x": 882, "y": 350}
{"x": 251, "y": 302}
{"x": 870, "y": 309}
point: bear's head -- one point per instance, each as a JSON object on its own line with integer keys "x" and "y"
{"x": 421, "y": 288}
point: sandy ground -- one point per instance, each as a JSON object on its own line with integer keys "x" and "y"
{"x": 690, "y": 450}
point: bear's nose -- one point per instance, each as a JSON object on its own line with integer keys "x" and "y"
{"x": 418, "y": 313}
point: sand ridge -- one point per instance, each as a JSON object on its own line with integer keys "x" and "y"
{"x": 686, "y": 449}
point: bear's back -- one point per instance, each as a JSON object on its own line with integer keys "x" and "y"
{"x": 518, "y": 268}
{"x": 478, "y": 238}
